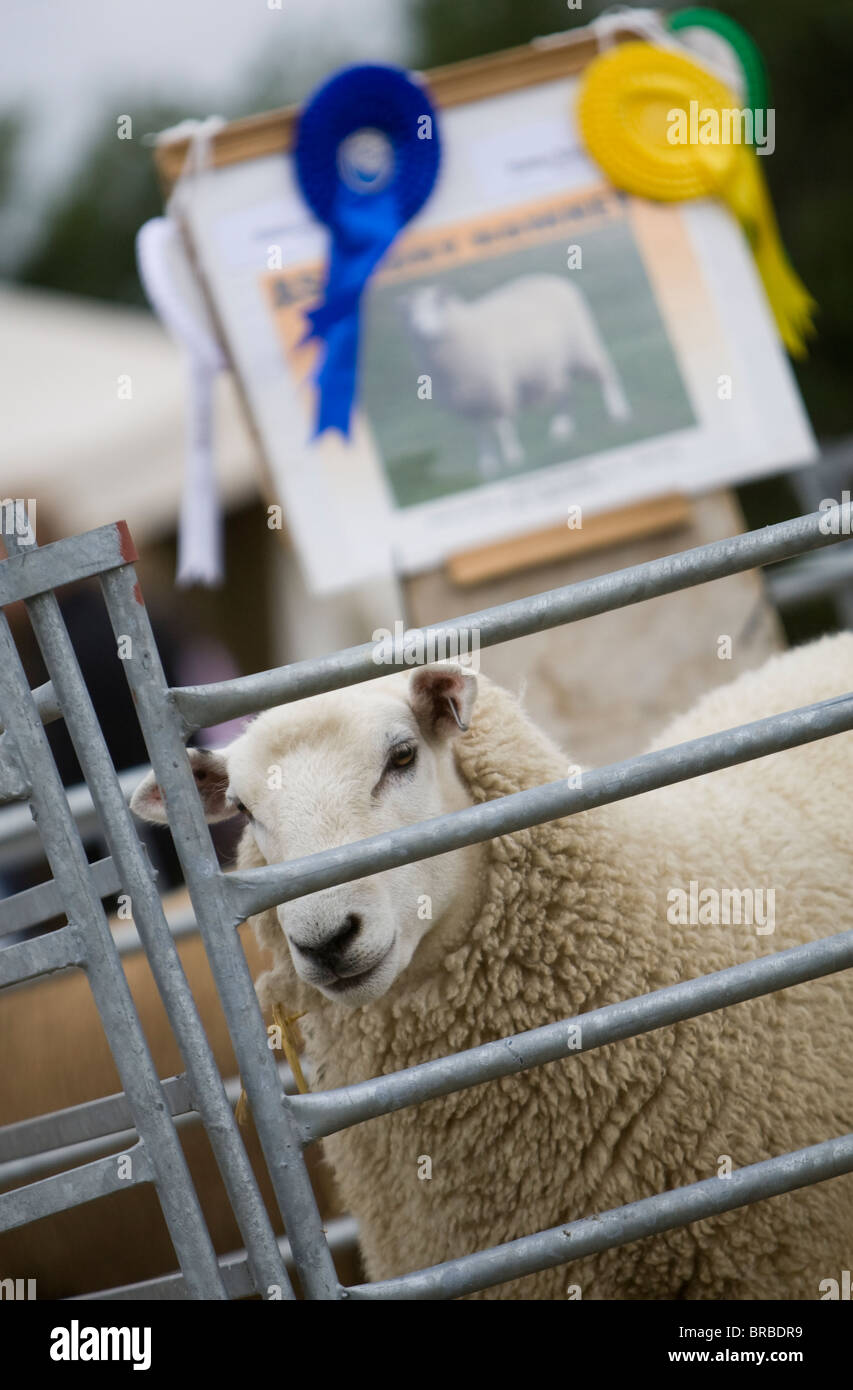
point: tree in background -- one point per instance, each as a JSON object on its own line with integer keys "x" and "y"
{"x": 809, "y": 55}
{"x": 89, "y": 229}
{"x": 446, "y": 31}
{"x": 11, "y": 125}
{"x": 88, "y": 244}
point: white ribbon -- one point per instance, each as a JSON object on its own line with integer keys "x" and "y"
{"x": 705, "y": 47}
{"x": 174, "y": 294}
{"x": 646, "y": 23}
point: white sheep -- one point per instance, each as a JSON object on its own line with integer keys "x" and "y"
{"x": 517, "y": 346}
{"x": 544, "y": 924}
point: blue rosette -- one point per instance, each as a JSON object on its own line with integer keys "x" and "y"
{"x": 367, "y": 157}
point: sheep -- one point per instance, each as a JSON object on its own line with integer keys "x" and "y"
{"x": 548, "y": 923}
{"x": 517, "y": 346}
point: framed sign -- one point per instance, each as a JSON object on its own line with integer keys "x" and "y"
{"x": 534, "y": 346}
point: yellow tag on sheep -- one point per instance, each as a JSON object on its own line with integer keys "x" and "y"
{"x": 290, "y": 1045}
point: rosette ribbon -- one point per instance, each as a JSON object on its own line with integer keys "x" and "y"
{"x": 169, "y": 282}
{"x": 627, "y": 101}
{"x": 364, "y": 205}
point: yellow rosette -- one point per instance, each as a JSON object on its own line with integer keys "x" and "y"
{"x": 661, "y": 126}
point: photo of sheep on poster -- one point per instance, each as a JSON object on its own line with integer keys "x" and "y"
{"x": 485, "y": 370}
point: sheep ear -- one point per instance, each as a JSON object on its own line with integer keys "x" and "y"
{"x": 442, "y": 698}
{"x": 211, "y": 778}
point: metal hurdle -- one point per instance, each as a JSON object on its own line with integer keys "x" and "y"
{"x": 221, "y": 901}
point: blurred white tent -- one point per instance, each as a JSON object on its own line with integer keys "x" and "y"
{"x": 74, "y": 442}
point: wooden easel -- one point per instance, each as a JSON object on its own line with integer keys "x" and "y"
{"x": 630, "y": 693}
{"x": 660, "y": 514}
{"x": 544, "y": 60}
{"x": 272, "y": 132}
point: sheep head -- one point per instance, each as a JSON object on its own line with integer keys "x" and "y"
{"x": 426, "y": 311}
{"x": 337, "y": 768}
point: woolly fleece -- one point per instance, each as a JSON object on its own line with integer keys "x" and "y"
{"x": 573, "y": 915}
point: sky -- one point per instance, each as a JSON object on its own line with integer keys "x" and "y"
{"x": 62, "y": 61}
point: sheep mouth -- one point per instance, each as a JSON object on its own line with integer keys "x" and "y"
{"x": 344, "y": 983}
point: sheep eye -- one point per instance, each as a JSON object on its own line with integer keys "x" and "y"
{"x": 403, "y": 755}
{"x": 238, "y": 806}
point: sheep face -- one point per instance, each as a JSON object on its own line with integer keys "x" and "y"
{"x": 337, "y": 768}
{"x": 426, "y": 311}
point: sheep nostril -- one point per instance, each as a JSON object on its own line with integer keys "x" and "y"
{"x": 331, "y": 949}
{"x": 350, "y": 929}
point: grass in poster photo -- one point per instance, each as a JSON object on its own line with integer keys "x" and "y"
{"x": 530, "y": 364}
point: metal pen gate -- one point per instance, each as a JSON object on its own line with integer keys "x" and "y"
{"x": 221, "y": 902}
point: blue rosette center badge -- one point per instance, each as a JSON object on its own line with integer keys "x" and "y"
{"x": 367, "y": 157}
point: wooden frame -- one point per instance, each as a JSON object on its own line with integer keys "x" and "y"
{"x": 542, "y": 60}
{"x": 546, "y": 60}
{"x": 272, "y": 132}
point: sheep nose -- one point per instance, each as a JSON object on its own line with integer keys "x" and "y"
{"x": 329, "y": 953}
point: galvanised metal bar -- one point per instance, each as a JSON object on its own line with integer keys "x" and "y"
{"x": 128, "y": 942}
{"x": 181, "y": 925}
{"x": 253, "y": 890}
{"x": 46, "y": 703}
{"x": 111, "y": 1126}
{"x": 609, "y": 1229}
{"x": 13, "y": 782}
{"x": 72, "y": 1189}
{"x": 341, "y": 1233}
{"x": 317, "y": 1114}
{"x": 67, "y": 1158}
{"x": 94, "y": 1119}
{"x": 811, "y": 578}
{"x": 32, "y": 569}
{"x": 270, "y": 1108}
{"x": 126, "y": 937}
{"x": 70, "y": 869}
{"x": 44, "y": 900}
{"x": 19, "y": 838}
{"x": 78, "y": 1151}
{"x": 325, "y": 1112}
{"x": 42, "y": 956}
{"x": 203, "y": 705}
{"x": 137, "y": 881}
